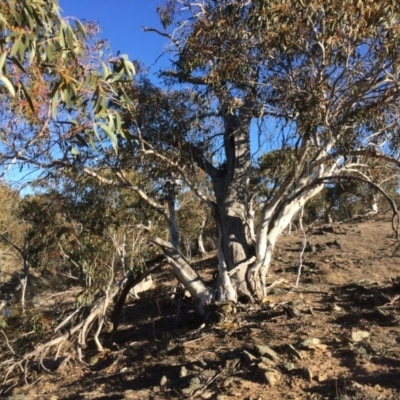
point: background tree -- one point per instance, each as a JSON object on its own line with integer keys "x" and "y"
{"x": 13, "y": 244}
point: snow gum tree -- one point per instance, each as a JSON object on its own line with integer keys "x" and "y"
{"x": 317, "y": 81}
{"x": 315, "y": 84}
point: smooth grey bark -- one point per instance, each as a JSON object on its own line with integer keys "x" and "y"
{"x": 231, "y": 188}
{"x": 200, "y": 243}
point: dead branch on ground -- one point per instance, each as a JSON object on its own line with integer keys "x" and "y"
{"x": 129, "y": 283}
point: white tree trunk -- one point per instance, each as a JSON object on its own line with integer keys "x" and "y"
{"x": 225, "y": 289}
{"x": 374, "y": 204}
{"x": 200, "y": 242}
{"x": 270, "y": 228}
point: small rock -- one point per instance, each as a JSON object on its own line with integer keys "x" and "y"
{"x": 310, "y": 342}
{"x": 163, "y": 381}
{"x": 193, "y": 385}
{"x": 293, "y": 352}
{"x": 272, "y": 377}
{"x": 336, "y": 308}
{"x": 322, "y": 378}
{"x": 183, "y": 372}
{"x": 335, "y": 244}
{"x": 357, "y": 336}
{"x": 267, "y": 351}
{"x": 207, "y": 395}
{"x": 137, "y": 394}
{"x": 321, "y": 347}
{"x": 291, "y": 311}
{"x": 202, "y": 363}
{"x": 355, "y": 385}
{"x": 267, "y": 361}
{"x": 288, "y": 366}
{"x": 208, "y": 373}
{"x": 227, "y": 382}
{"x": 263, "y": 366}
{"x": 306, "y": 374}
{"x": 362, "y": 353}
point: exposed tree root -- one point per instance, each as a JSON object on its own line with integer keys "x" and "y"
{"x": 81, "y": 330}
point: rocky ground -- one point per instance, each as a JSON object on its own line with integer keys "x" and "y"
{"x": 335, "y": 336}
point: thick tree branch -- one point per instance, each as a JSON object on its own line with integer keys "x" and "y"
{"x": 194, "y": 80}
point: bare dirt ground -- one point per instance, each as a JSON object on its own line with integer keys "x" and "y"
{"x": 335, "y": 336}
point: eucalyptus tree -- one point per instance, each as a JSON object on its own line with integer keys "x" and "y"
{"x": 318, "y": 81}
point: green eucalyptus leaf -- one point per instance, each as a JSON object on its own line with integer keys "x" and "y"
{"x": 110, "y": 118}
{"x": 66, "y": 97}
{"x": 129, "y": 68}
{"x": 54, "y": 105}
{"x": 111, "y": 135}
{"x": 91, "y": 141}
{"x": 97, "y": 135}
{"x": 105, "y": 70}
{"x": 3, "y": 22}
{"x": 8, "y": 84}
{"x": 3, "y": 59}
{"x": 3, "y": 323}
{"x": 16, "y": 46}
{"x": 118, "y": 122}
{"x": 70, "y": 39}
{"x": 80, "y": 28}
{"x": 75, "y": 151}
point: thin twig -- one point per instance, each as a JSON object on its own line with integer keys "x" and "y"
{"x": 196, "y": 340}
{"x": 7, "y": 342}
{"x": 208, "y": 383}
{"x": 67, "y": 319}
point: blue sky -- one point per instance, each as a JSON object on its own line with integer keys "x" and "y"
{"x": 121, "y": 22}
